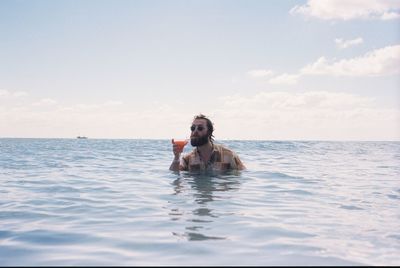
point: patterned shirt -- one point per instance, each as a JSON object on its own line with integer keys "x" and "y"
{"x": 221, "y": 159}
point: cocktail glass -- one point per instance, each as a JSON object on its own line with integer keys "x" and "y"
{"x": 180, "y": 143}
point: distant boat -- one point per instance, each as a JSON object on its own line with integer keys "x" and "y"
{"x": 81, "y": 137}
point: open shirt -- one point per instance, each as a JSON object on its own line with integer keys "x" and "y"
{"x": 221, "y": 159}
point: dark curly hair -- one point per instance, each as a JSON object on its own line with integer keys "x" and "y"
{"x": 210, "y": 126}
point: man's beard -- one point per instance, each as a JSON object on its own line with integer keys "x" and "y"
{"x": 199, "y": 141}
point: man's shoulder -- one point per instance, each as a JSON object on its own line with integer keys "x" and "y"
{"x": 223, "y": 148}
{"x": 230, "y": 154}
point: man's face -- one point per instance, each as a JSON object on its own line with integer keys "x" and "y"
{"x": 199, "y": 135}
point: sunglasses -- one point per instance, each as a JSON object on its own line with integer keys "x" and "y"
{"x": 199, "y": 128}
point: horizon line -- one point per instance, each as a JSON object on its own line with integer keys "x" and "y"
{"x": 222, "y": 139}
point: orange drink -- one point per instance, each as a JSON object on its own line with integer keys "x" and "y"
{"x": 180, "y": 143}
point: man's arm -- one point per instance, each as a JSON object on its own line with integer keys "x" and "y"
{"x": 239, "y": 164}
{"x": 175, "y": 164}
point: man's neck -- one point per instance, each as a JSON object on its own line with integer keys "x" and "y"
{"x": 205, "y": 150}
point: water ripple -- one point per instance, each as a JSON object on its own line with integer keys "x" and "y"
{"x": 114, "y": 202}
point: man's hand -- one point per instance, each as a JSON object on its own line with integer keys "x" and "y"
{"x": 175, "y": 148}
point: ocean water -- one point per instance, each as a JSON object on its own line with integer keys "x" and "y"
{"x": 114, "y": 202}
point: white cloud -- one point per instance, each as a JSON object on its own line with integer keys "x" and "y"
{"x": 308, "y": 115}
{"x": 342, "y": 44}
{"x": 20, "y": 94}
{"x": 379, "y": 62}
{"x": 390, "y": 15}
{"x": 349, "y": 9}
{"x": 45, "y": 102}
{"x": 265, "y": 115}
{"x": 285, "y": 79}
{"x": 110, "y": 119}
{"x": 7, "y": 94}
{"x": 260, "y": 73}
{"x": 3, "y": 93}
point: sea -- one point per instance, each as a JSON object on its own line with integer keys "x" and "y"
{"x": 97, "y": 202}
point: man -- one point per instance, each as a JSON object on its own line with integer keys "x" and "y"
{"x": 206, "y": 155}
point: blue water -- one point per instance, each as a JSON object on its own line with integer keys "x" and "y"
{"x": 114, "y": 202}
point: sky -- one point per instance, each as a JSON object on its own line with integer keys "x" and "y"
{"x": 260, "y": 70}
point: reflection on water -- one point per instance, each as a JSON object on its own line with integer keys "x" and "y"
{"x": 201, "y": 190}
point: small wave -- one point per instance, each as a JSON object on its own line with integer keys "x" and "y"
{"x": 48, "y": 237}
{"x": 392, "y": 196}
{"x": 191, "y": 236}
{"x": 351, "y": 207}
{"x": 282, "y": 176}
{"x": 296, "y": 192}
